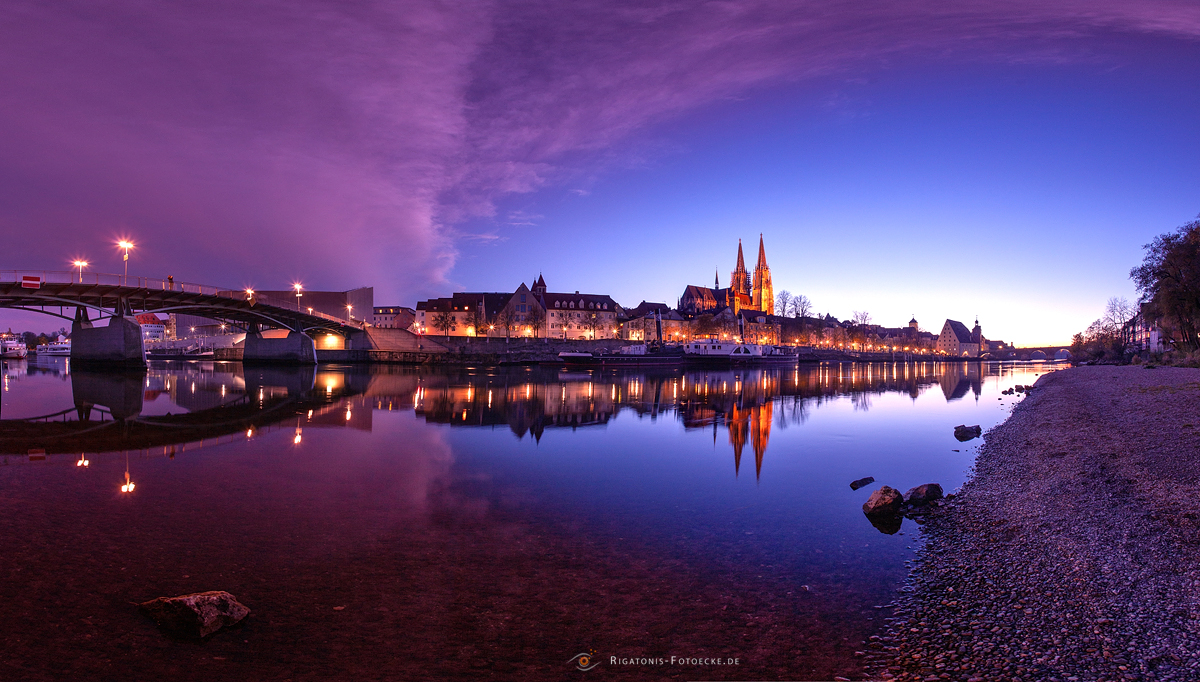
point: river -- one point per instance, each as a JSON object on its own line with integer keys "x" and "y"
{"x": 393, "y": 522}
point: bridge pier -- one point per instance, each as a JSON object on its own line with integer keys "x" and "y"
{"x": 120, "y": 342}
{"x": 296, "y": 348}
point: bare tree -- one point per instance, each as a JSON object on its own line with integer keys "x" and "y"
{"x": 536, "y": 319}
{"x": 507, "y": 320}
{"x": 477, "y": 319}
{"x": 861, "y": 318}
{"x": 1117, "y": 312}
{"x": 783, "y": 302}
{"x": 801, "y": 306}
{"x": 443, "y": 321}
{"x": 703, "y": 326}
{"x": 592, "y": 322}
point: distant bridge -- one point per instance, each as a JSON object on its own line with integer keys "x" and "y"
{"x": 118, "y": 297}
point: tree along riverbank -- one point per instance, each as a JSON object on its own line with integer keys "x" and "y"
{"x": 1073, "y": 552}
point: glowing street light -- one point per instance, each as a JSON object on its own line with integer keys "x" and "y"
{"x": 297, "y": 287}
{"x": 126, "y": 245}
{"x": 83, "y": 461}
{"x": 81, "y": 264}
{"x": 349, "y": 312}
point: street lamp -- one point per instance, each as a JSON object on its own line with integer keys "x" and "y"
{"x": 81, "y": 264}
{"x": 127, "y": 245}
{"x": 297, "y": 287}
{"x": 349, "y": 312}
{"x": 249, "y": 293}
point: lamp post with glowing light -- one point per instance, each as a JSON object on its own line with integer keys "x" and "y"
{"x": 349, "y": 312}
{"x": 81, "y": 264}
{"x": 126, "y": 245}
{"x": 297, "y": 287}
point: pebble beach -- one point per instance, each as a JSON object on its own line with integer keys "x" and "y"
{"x": 1073, "y": 552}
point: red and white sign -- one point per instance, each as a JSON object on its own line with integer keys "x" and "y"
{"x": 31, "y": 282}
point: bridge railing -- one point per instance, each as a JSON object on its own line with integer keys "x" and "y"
{"x": 153, "y": 283}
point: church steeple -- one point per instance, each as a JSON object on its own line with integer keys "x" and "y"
{"x": 717, "y": 279}
{"x": 740, "y": 278}
{"x": 764, "y": 293}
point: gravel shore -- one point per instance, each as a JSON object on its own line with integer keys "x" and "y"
{"x": 1074, "y": 552}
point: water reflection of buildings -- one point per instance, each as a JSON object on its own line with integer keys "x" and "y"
{"x": 746, "y": 402}
{"x": 214, "y": 400}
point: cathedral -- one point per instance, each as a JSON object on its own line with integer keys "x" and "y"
{"x": 745, "y": 292}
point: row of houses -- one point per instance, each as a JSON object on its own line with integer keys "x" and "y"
{"x": 535, "y": 312}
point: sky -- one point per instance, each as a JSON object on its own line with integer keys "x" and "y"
{"x": 943, "y": 160}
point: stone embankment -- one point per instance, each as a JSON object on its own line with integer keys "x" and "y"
{"x": 1073, "y": 554}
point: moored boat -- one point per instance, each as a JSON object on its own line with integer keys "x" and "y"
{"x": 12, "y": 347}
{"x": 62, "y": 346}
{"x": 635, "y": 355}
{"x": 720, "y": 352}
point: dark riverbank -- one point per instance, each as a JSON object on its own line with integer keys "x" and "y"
{"x": 1073, "y": 553}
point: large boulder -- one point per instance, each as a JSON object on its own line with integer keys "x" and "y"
{"x": 196, "y": 615}
{"x": 923, "y": 494}
{"x": 886, "y": 501}
{"x": 965, "y": 433}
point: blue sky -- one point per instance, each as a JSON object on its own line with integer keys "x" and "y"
{"x": 1021, "y": 193}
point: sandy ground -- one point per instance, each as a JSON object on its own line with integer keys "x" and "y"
{"x": 1074, "y": 552}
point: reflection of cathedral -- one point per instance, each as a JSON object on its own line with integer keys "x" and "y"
{"x": 754, "y": 422}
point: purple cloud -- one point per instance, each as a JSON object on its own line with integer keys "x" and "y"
{"x": 342, "y": 143}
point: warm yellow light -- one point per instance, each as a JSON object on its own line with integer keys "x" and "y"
{"x": 80, "y": 264}
{"x": 296, "y": 440}
{"x": 250, "y": 432}
{"x": 124, "y": 244}
{"x": 297, "y": 287}
{"x": 82, "y": 462}
{"x": 249, "y": 292}
{"x": 347, "y": 414}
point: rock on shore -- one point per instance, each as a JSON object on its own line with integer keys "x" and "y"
{"x": 886, "y": 501}
{"x": 1074, "y": 551}
{"x": 195, "y": 615}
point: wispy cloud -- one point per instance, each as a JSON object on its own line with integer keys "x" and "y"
{"x": 348, "y": 138}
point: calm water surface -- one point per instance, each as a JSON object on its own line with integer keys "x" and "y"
{"x": 484, "y": 523}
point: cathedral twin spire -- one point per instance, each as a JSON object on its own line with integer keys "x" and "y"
{"x": 759, "y": 289}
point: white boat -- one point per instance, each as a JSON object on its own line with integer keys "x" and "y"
{"x": 717, "y": 351}
{"x": 60, "y": 347}
{"x": 721, "y": 349}
{"x": 12, "y": 347}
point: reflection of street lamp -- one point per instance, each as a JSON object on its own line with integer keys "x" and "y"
{"x": 83, "y": 461}
{"x": 297, "y": 287}
{"x": 81, "y": 264}
{"x": 127, "y": 245}
{"x": 129, "y": 485}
